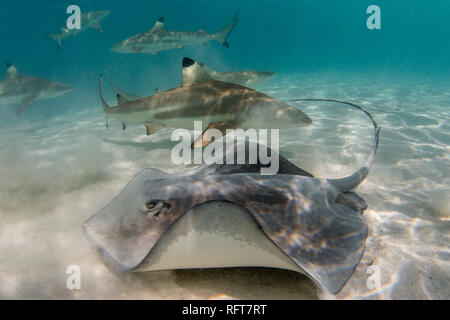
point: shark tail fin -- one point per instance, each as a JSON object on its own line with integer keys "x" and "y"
{"x": 55, "y": 37}
{"x": 222, "y": 35}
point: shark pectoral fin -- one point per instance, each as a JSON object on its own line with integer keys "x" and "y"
{"x": 25, "y": 103}
{"x": 152, "y": 127}
{"x": 207, "y": 135}
{"x": 97, "y": 26}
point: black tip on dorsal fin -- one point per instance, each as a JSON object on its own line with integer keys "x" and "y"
{"x": 161, "y": 20}
{"x": 187, "y": 62}
{"x": 201, "y": 64}
{"x": 8, "y": 64}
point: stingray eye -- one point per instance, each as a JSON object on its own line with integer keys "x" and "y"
{"x": 151, "y": 205}
{"x": 156, "y": 207}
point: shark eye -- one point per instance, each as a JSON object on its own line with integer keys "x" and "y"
{"x": 156, "y": 207}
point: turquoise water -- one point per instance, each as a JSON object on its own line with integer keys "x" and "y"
{"x": 59, "y": 165}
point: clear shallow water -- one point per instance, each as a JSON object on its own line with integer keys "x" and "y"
{"x": 59, "y": 165}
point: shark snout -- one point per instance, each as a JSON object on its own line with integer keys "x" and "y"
{"x": 114, "y": 48}
{"x": 58, "y": 89}
{"x": 292, "y": 117}
{"x": 119, "y": 47}
{"x": 102, "y": 14}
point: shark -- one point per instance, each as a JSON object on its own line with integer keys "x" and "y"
{"x": 158, "y": 38}
{"x": 228, "y": 215}
{"x": 221, "y": 105}
{"x": 89, "y": 20}
{"x": 246, "y": 78}
{"x": 17, "y": 88}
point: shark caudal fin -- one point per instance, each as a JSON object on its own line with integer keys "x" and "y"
{"x": 55, "y": 37}
{"x": 222, "y": 35}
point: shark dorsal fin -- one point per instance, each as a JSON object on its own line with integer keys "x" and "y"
{"x": 158, "y": 25}
{"x": 11, "y": 70}
{"x": 192, "y": 73}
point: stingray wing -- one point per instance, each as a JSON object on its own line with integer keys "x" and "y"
{"x": 320, "y": 233}
{"x": 124, "y": 239}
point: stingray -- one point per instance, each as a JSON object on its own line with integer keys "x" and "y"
{"x": 228, "y": 215}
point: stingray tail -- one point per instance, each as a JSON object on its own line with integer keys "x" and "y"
{"x": 352, "y": 181}
{"x": 222, "y": 35}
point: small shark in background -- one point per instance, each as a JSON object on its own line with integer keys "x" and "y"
{"x": 159, "y": 39}
{"x": 89, "y": 20}
{"x": 246, "y": 78}
{"x": 221, "y": 105}
{"x": 20, "y": 89}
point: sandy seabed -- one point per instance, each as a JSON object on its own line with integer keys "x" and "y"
{"x": 55, "y": 174}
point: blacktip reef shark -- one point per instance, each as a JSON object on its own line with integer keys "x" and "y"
{"x": 20, "y": 89}
{"x": 89, "y": 20}
{"x": 290, "y": 220}
{"x": 158, "y": 38}
{"x": 246, "y": 78}
{"x": 222, "y": 105}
